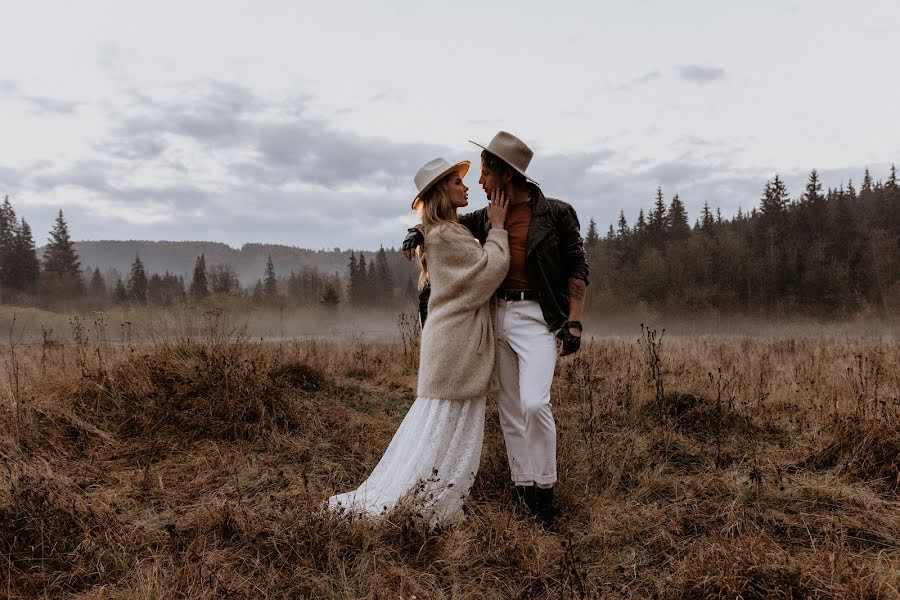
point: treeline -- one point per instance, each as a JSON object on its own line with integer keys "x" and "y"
{"x": 21, "y": 273}
{"x": 58, "y": 278}
{"x": 363, "y": 285}
{"x": 221, "y": 282}
{"x": 830, "y": 253}
{"x": 178, "y": 257}
{"x": 824, "y": 253}
{"x": 373, "y": 284}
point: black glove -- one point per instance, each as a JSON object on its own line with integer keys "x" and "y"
{"x": 424, "y": 295}
{"x": 570, "y": 343}
{"x": 413, "y": 239}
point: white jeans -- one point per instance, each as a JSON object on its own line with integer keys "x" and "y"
{"x": 526, "y": 357}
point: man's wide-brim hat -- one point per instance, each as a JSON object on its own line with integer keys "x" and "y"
{"x": 512, "y": 151}
{"x": 432, "y": 172}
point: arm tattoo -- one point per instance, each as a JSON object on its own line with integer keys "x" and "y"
{"x": 576, "y": 289}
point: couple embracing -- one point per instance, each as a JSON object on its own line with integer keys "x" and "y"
{"x": 504, "y": 291}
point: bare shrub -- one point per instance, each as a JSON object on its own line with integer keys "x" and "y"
{"x": 54, "y": 539}
{"x": 866, "y": 450}
{"x": 227, "y": 390}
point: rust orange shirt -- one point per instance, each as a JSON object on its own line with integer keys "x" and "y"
{"x": 518, "y": 218}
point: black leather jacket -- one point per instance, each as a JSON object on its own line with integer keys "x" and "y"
{"x": 554, "y": 252}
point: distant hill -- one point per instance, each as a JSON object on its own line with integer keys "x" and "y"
{"x": 249, "y": 261}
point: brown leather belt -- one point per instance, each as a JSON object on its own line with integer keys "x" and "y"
{"x": 508, "y": 295}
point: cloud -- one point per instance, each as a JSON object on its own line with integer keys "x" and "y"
{"x": 639, "y": 81}
{"x": 210, "y": 112}
{"x": 275, "y": 143}
{"x": 138, "y": 147}
{"x": 212, "y": 160}
{"x": 315, "y": 153}
{"x": 90, "y": 175}
{"x": 675, "y": 174}
{"x": 219, "y": 162}
{"x": 39, "y": 104}
{"x": 699, "y": 74}
{"x": 43, "y": 104}
{"x": 9, "y": 179}
{"x": 216, "y": 158}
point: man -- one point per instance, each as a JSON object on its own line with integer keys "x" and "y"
{"x": 543, "y": 292}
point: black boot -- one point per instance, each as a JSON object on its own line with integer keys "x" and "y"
{"x": 544, "y": 510}
{"x": 525, "y": 493}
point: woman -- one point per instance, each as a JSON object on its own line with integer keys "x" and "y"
{"x": 434, "y": 455}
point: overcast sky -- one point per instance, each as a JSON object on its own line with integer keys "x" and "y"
{"x": 303, "y": 123}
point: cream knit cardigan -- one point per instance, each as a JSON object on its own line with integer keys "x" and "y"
{"x": 458, "y": 352}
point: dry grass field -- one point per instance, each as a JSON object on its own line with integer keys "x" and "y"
{"x": 193, "y": 465}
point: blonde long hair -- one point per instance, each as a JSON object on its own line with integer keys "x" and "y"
{"x": 434, "y": 208}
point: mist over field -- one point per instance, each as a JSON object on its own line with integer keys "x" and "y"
{"x": 151, "y": 325}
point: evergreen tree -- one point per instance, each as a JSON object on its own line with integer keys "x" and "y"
{"x": 120, "y": 293}
{"x": 258, "y": 291}
{"x": 361, "y": 283}
{"x": 156, "y": 289}
{"x": 270, "y": 281}
{"x": 7, "y": 222}
{"x": 813, "y": 193}
{"x": 641, "y": 225}
{"x": 353, "y": 290}
{"x": 199, "y": 286}
{"x": 659, "y": 219}
{"x": 851, "y": 191}
{"x": 97, "y": 288}
{"x": 222, "y": 280}
{"x": 813, "y": 209}
{"x": 60, "y": 257}
{"x": 331, "y": 296}
{"x": 866, "y": 183}
{"x": 295, "y": 287}
{"x": 592, "y": 238}
{"x": 384, "y": 279}
{"x": 175, "y": 291}
{"x": 622, "y": 230}
{"x": 620, "y": 244}
{"x": 706, "y": 219}
{"x": 138, "y": 286}
{"x": 166, "y": 290}
{"x": 679, "y": 227}
{"x": 891, "y": 183}
{"x": 8, "y": 234}
{"x": 24, "y": 266}
{"x": 774, "y": 201}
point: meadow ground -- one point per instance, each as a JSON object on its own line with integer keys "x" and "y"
{"x": 190, "y": 462}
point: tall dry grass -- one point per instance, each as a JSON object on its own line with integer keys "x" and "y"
{"x": 193, "y": 465}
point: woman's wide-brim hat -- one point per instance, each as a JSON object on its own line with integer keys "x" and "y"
{"x": 512, "y": 151}
{"x": 432, "y": 172}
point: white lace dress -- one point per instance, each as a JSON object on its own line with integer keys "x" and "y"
{"x": 430, "y": 463}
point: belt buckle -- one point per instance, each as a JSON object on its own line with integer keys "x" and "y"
{"x": 512, "y": 296}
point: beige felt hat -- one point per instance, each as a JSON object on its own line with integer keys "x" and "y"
{"x": 432, "y": 172}
{"x": 510, "y": 150}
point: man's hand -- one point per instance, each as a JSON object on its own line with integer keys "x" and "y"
{"x": 568, "y": 340}
{"x": 414, "y": 238}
